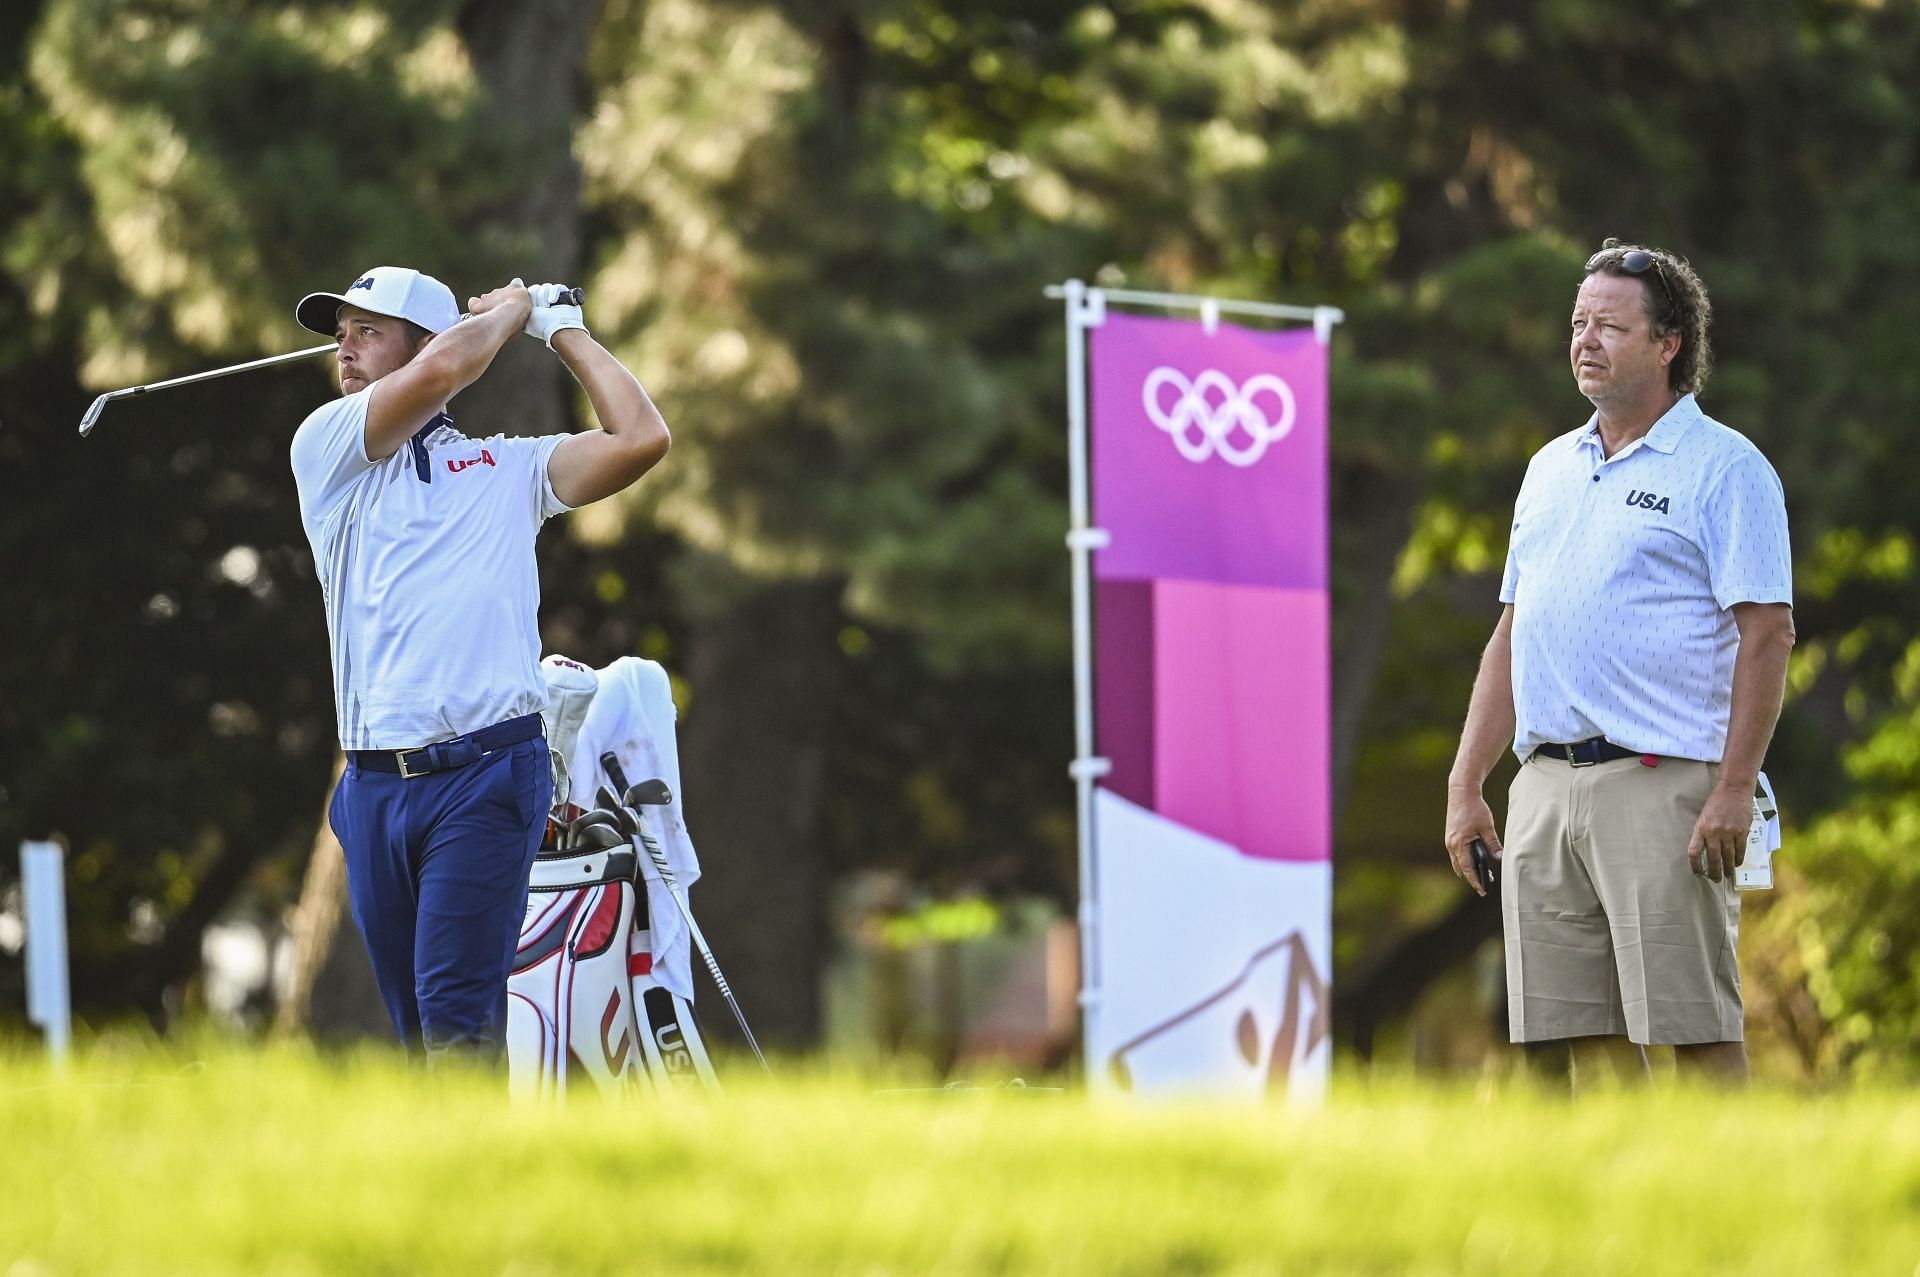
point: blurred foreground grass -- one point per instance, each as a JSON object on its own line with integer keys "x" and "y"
{"x": 280, "y": 1163}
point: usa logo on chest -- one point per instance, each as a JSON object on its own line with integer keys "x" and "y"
{"x": 457, "y": 466}
{"x": 1649, "y": 501}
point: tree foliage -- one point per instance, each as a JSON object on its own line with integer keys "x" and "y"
{"x": 819, "y": 233}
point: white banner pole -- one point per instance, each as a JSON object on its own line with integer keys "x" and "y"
{"x": 1085, "y": 308}
{"x": 44, "y": 906}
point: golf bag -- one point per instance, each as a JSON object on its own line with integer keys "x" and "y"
{"x": 600, "y": 990}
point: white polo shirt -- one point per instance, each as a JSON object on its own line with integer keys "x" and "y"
{"x": 431, "y": 589}
{"x": 1622, "y": 571}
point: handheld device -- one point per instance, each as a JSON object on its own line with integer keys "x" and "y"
{"x": 1483, "y": 864}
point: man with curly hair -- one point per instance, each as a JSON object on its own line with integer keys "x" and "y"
{"x": 1637, "y": 669}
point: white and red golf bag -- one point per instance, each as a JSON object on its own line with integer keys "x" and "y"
{"x": 602, "y": 987}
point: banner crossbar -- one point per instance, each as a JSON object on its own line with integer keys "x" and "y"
{"x": 1202, "y": 304}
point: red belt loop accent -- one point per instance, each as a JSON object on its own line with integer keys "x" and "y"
{"x": 1649, "y": 760}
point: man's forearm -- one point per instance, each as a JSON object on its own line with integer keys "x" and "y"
{"x": 632, "y": 437}
{"x": 1759, "y": 687}
{"x": 1490, "y": 715}
{"x": 619, "y": 403}
{"x": 460, "y": 354}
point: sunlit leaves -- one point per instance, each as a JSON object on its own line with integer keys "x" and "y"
{"x": 221, "y": 148}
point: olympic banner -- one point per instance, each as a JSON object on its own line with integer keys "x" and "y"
{"x": 1210, "y": 453}
{"x": 1211, "y": 680}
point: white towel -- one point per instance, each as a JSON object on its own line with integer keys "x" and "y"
{"x": 633, "y": 715}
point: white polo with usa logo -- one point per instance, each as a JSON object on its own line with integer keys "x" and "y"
{"x": 425, "y": 647}
{"x": 1622, "y": 572}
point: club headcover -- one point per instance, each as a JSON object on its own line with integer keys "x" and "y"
{"x": 570, "y": 690}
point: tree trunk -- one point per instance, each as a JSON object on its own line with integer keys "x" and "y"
{"x": 532, "y": 60}
{"x": 1392, "y": 986}
{"x": 1377, "y": 505}
{"x": 333, "y": 995}
{"x": 753, "y": 756}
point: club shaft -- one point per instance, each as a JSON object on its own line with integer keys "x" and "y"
{"x": 720, "y": 981}
{"x": 610, "y": 764}
{"x": 740, "y": 1019}
{"x": 228, "y": 371}
{"x": 573, "y": 296}
{"x": 92, "y": 417}
{"x": 665, "y": 870}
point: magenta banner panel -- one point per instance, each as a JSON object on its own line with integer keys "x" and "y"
{"x": 1241, "y": 716}
{"x": 1211, "y": 666}
{"x": 1123, "y": 686}
{"x": 1209, "y": 453}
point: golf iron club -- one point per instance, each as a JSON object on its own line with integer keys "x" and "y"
{"x": 655, "y": 793}
{"x": 92, "y": 418}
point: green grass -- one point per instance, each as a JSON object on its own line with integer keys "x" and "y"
{"x": 279, "y": 1163}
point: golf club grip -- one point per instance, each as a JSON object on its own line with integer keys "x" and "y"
{"x": 575, "y": 296}
{"x": 610, "y": 764}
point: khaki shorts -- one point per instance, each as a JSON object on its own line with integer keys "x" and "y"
{"x": 1608, "y": 929}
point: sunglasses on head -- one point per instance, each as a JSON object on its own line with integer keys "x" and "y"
{"x": 1635, "y": 261}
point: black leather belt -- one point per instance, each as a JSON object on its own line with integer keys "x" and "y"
{"x": 447, "y": 754}
{"x": 1587, "y": 752}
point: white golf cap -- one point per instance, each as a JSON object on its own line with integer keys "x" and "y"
{"x": 385, "y": 290}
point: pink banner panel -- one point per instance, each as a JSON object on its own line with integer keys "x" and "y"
{"x": 1209, "y": 452}
{"x": 1241, "y": 716}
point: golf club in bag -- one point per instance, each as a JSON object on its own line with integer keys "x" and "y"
{"x": 633, "y": 802}
{"x": 587, "y": 998}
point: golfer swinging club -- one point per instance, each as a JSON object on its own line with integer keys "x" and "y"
{"x": 423, "y": 542}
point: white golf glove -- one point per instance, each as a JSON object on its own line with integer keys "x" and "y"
{"x": 549, "y": 294}
{"x": 549, "y": 315}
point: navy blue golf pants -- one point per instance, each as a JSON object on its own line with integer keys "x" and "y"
{"x": 437, "y": 870}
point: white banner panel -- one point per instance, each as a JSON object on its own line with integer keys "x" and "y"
{"x": 1214, "y": 965}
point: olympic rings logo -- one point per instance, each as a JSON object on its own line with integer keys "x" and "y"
{"x": 1210, "y": 415}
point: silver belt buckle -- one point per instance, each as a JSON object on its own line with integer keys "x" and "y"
{"x": 1575, "y": 762}
{"x": 400, "y": 757}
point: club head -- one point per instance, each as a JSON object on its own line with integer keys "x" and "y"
{"x": 650, "y": 793}
{"x": 599, "y": 836}
{"x": 92, "y": 417}
{"x": 598, "y": 816}
{"x": 573, "y": 834}
{"x": 628, "y": 824}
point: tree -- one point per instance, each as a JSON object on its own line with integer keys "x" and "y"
{"x": 819, "y": 234}
{"x": 187, "y": 180}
